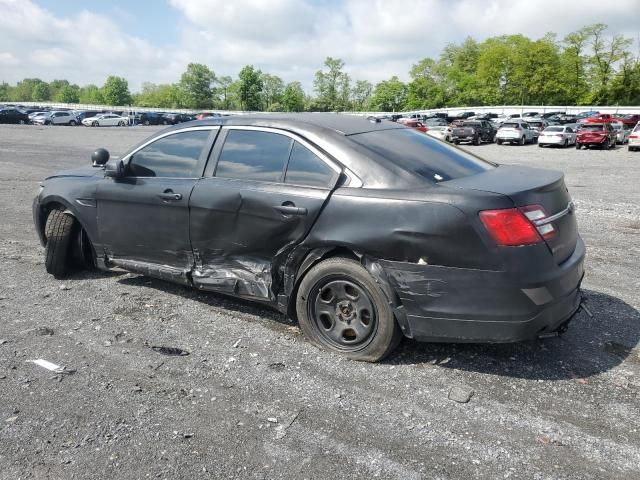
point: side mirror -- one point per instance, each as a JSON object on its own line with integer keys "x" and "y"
{"x": 114, "y": 169}
{"x": 100, "y": 157}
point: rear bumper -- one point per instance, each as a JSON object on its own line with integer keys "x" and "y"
{"x": 592, "y": 141}
{"x": 444, "y": 304}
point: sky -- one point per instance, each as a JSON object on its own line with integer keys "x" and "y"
{"x": 154, "y": 40}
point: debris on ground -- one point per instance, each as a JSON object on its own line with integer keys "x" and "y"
{"x": 52, "y": 367}
{"x": 170, "y": 351}
{"x": 237, "y": 344}
{"x": 461, "y": 394}
{"x": 64, "y": 287}
{"x": 44, "y": 331}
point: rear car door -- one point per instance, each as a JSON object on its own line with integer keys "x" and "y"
{"x": 143, "y": 217}
{"x": 262, "y": 192}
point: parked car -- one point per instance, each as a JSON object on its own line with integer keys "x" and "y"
{"x": 82, "y": 114}
{"x": 105, "y": 120}
{"x": 582, "y": 116}
{"x": 413, "y": 123}
{"x": 564, "y": 119}
{"x": 203, "y": 115}
{"x": 259, "y": 210}
{"x": 530, "y": 114}
{"x": 559, "y": 135}
{"x": 548, "y": 115}
{"x": 630, "y": 121}
{"x": 474, "y": 131}
{"x": 56, "y": 118}
{"x": 35, "y": 114}
{"x": 596, "y": 134}
{"x": 436, "y": 122}
{"x": 13, "y": 115}
{"x": 622, "y": 134}
{"x": 441, "y": 132}
{"x": 634, "y": 138}
{"x": 150, "y": 118}
{"x": 516, "y": 131}
{"x": 175, "y": 118}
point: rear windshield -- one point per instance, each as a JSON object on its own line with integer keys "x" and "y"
{"x": 422, "y": 155}
{"x": 554, "y": 129}
{"x": 593, "y": 127}
{"x": 510, "y": 125}
{"x": 471, "y": 124}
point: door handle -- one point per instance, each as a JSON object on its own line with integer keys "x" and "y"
{"x": 289, "y": 208}
{"x": 169, "y": 196}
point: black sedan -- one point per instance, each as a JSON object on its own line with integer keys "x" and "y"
{"x": 13, "y": 115}
{"x": 363, "y": 230}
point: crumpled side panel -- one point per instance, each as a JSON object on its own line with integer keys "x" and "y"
{"x": 243, "y": 276}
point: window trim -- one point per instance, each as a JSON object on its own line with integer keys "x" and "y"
{"x": 204, "y": 154}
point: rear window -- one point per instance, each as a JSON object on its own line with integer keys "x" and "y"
{"x": 591, "y": 127}
{"x": 554, "y": 129}
{"x": 510, "y": 125}
{"x": 424, "y": 156}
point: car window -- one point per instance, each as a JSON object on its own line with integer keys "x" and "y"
{"x": 510, "y": 125}
{"x": 569, "y": 130}
{"x": 253, "y": 155}
{"x": 176, "y": 156}
{"x": 422, "y": 155}
{"x": 306, "y": 168}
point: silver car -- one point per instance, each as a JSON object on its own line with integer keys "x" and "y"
{"x": 558, "y": 135}
{"x": 622, "y": 134}
{"x": 56, "y": 118}
{"x": 515, "y": 131}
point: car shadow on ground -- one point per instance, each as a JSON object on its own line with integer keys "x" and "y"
{"x": 599, "y": 338}
{"x": 595, "y": 342}
{"x": 217, "y": 300}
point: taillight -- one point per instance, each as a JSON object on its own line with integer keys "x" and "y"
{"x": 517, "y": 226}
{"x": 633, "y": 136}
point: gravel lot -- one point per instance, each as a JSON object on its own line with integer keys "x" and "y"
{"x": 254, "y": 400}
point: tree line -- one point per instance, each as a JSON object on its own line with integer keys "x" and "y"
{"x": 586, "y": 67}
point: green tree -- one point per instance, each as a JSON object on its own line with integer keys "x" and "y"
{"x": 360, "y": 94}
{"x": 5, "y": 92}
{"x": 41, "y": 92}
{"x": 249, "y": 88}
{"x": 115, "y": 91}
{"x": 196, "y": 86}
{"x": 293, "y": 97}
{"x": 91, "y": 94}
{"x": 272, "y": 91}
{"x": 427, "y": 88}
{"x": 67, "y": 94}
{"x": 223, "y": 90}
{"x": 332, "y": 86}
{"x": 389, "y": 95}
{"x": 162, "y": 96}
{"x": 23, "y": 91}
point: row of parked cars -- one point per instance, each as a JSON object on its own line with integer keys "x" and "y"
{"x": 92, "y": 118}
{"x": 594, "y": 129}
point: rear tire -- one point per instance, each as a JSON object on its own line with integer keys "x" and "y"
{"x": 522, "y": 141}
{"x": 345, "y": 282}
{"x": 566, "y": 143}
{"x": 476, "y": 141}
{"x": 499, "y": 142}
{"x": 59, "y": 231}
{"x": 578, "y": 146}
{"x": 95, "y": 124}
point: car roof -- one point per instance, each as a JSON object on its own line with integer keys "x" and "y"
{"x": 302, "y": 123}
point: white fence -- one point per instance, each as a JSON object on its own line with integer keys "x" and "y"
{"x": 506, "y": 109}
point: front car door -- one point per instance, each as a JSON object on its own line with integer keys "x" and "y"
{"x": 143, "y": 217}
{"x": 261, "y": 193}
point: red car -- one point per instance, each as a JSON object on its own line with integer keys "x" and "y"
{"x": 631, "y": 120}
{"x": 601, "y": 118}
{"x": 415, "y": 124}
{"x": 596, "y": 134}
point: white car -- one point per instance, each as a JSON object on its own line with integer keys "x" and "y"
{"x": 634, "y": 138}
{"x": 55, "y": 118}
{"x": 515, "y": 131}
{"x": 105, "y": 120}
{"x": 558, "y": 135}
{"x": 441, "y": 132}
{"x": 33, "y": 115}
{"x": 622, "y": 135}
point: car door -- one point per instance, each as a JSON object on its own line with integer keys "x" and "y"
{"x": 261, "y": 193}
{"x": 143, "y": 217}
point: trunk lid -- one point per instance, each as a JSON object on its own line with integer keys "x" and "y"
{"x": 532, "y": 186}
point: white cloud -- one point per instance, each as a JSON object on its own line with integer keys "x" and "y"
{"x": 290, "y": 38}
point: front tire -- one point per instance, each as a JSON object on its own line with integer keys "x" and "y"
{"x": 121, "y": 124}
{"x": 340, "y": 308}
{"x": 72, "y": 123}
{"x": 95, "y": 124}
{"x": 59, "y": 231}
{"x": 499, "y": 142}
{"x": 522, "y": 141}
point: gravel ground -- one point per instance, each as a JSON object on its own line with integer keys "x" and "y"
{"x": 254, "y": 400}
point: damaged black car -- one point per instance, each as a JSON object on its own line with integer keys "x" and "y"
{"x": 363, "y": 230}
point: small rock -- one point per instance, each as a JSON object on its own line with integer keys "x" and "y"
{"x": 64, "y": 287}
{"x": 187, "y": 435}
{"x": 137, "y": 388}
{"x": 272, "y": 420}
{"x": 44, "y": 331}
{"x": 337, "y": 395}
{"x": 107, "y": 343}
{"x": 11, "y": 419}
{"x": 461, "y": 394}
{"x": 2, "y": 377}
{"x": 3, "y": 341}
{"x": 445, "y": 361}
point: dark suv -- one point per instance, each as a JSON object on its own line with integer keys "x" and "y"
{"x": 363, "y": 230}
